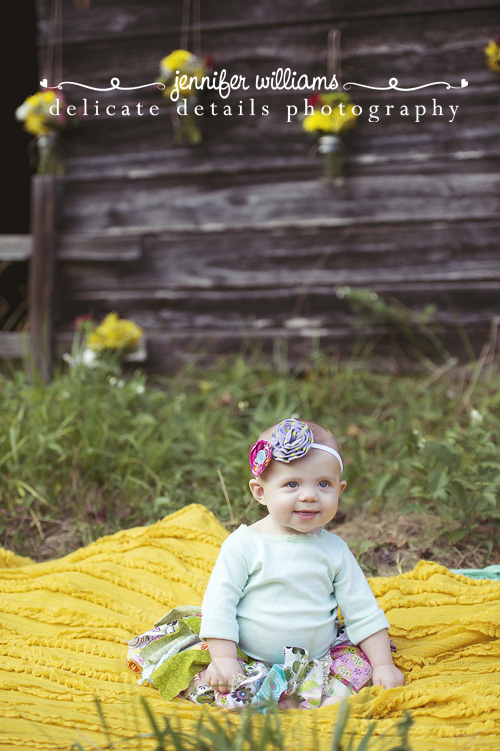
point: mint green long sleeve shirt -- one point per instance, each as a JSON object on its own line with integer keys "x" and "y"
{"x": 268, "y": 592}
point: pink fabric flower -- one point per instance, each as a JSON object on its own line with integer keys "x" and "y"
{"x": 260, "y": 455}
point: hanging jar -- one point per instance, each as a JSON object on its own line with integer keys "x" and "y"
{"x": 333, "y": 152}
{"x": 49, "y": 149}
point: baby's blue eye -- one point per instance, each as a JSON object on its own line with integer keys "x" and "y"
{"x": 323, "y": 484}
{"x": 293, "y": 484}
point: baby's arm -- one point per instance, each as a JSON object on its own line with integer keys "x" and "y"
{"x": 224, "y": 664}
{"x": 378, "y": 650}
{"x": 219, "y": 625}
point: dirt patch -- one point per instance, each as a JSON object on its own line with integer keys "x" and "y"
{"x": 390, "y": 544}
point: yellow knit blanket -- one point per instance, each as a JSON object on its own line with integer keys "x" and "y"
{"x": 65, "y": 622}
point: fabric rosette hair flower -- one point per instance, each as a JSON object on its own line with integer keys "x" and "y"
{"x": 46, "y": 118}
{"x": 291, "y": 439}
{"x": 492, "y": 52}
{"x": 260, "y": 456}
{"x": 332, "y": 115}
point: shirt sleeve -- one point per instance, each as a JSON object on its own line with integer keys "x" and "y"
{"x": 223, "y": 593}
{"x": 362, "y": 614}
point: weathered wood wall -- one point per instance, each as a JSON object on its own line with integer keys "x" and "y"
{"x": 238, "y": 239}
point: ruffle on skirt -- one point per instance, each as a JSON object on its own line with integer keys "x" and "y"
{"x": 171, "y": 655}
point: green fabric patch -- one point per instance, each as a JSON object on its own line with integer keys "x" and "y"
{"x": 175, "y": 674}
{"x": 490, "y": 572}
{"x": 187, "y": 658}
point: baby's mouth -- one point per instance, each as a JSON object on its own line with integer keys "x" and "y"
{"x": 306, "y": 514}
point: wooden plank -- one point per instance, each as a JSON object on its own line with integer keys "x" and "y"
{"x": 296, "y": 257}
{"x": 262, "y": 202}
{"x": 295, "y": 276}
{"x": 99, "y": 248}
{"x": 130, "y": 19}
{"x": 13, "y": 345}
{"x": 230, "y": 309}
{"x": 15, "y": 247}
{"x": 44, "y": 212}
{"x": 475, "y": 148}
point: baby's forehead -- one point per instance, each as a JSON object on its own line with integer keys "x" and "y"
{"x": 314, "y": 463}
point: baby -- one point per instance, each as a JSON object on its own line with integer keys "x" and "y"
{"x": 270, "y": 611}
{"x": 277, "y": 584}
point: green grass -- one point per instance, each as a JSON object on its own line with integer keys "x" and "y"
{"x": 252, "y": 733}
{"x": 93, "y": 451}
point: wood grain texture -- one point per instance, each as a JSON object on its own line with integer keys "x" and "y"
{"x": 239, "y": 239}
{"x": 129, "y": 19}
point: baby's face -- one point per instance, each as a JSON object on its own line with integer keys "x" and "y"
{"x": 302, "y": 495}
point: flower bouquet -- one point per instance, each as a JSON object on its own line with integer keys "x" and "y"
{"x": 104, "y": 345}
{"x": 183, "y": 75}
{"x": 332, "y": 114}
{"x": 39, "y": 118}
{"x": 492, "y": 52}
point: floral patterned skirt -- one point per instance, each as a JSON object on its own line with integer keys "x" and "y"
{"x": 171, "y": 655}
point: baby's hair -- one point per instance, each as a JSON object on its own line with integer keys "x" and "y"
{"x": 320, "y": 434}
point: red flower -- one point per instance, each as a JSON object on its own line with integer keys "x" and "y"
{"x": 209, "y": 62}
{"x": 80, "y": 321}
{"x": 314, "y": 100}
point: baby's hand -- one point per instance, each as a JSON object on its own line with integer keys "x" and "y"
{"x": 388, "y": 676}
{"x": 220, "y": 673}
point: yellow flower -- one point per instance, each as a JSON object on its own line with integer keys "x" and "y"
{"x": 35, "y": 112}
{"x": 492, "y": 52}
{"x": 36, "y": 124}
{"x": 334, "y": 122}
{"x": 114, "y": 333}
{"x": 186, "y": 64}
{"x": 177, "y": 60}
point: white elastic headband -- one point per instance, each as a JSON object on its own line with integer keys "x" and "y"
{"x": 329, "y": 450}
{"x": 291, "y": 439}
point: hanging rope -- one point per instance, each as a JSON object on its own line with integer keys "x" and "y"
{"x": 186, "y": 9}
{"x": 333, "y": 61}
{"x": 52, "y": 66}
{"x": 196, "y": 27}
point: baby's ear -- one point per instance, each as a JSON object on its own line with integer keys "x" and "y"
{"x": 256, "y": 489}
{"x": 342, "y": 485}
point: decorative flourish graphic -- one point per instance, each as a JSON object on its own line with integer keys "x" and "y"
{"x": 115, "y": 84}
{"x": 393, "y": 84}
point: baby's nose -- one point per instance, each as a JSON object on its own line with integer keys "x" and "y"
{"x": 308, "y": 494}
